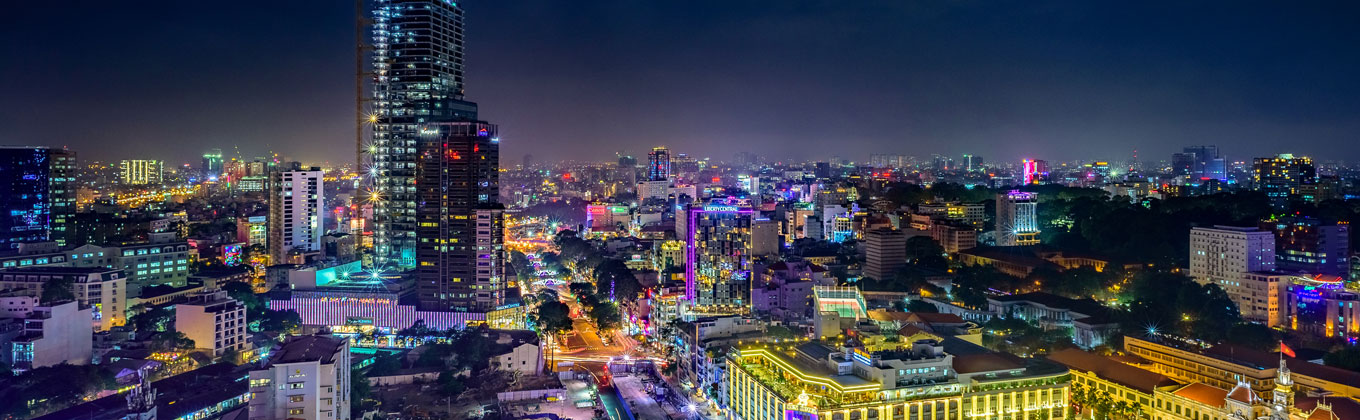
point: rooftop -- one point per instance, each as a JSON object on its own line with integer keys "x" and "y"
{"x": 1111, "y": 370}
{"x": 308, "y": 348}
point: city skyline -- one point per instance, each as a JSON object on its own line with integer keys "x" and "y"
{"x": 580, "y": 81}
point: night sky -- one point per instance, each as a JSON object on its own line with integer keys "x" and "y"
{"x": 785, "y": 79}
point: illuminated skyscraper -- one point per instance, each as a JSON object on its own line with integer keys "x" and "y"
{"x": 1017, "y": 219}
{"x": 417, "y": 79}
{"x": 718, "y": 253}
{"x": 659, "y": 164}
{"x": 212, "y": 163}
{"x": 1281, "y": 177}
{"x": 37, "y": 194}
{"x": 1034, "y": 171}
{"x": 460, "y": 229}
{"x": 140, "y": 171}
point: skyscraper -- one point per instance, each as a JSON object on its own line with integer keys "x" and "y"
{"x": 1200, "y": 163}
{"x": 140, "y": 172}
{"x": 295, "y": 212}
{"x": 1017, "y": 219}
{"x": 212, "y": 163}
{"x": 460, "y": 249}
{"x": 37, "y": 194}
{"x": 659, "y": 164}
{"x": 718, "y": 253}
{"x": 417, "y": 66}
{"x": 1281, "y": 177}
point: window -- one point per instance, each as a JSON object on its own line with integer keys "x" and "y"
{"x": 296, "y": 385}
{"x": 294, "y": 411}
{"x": 295, "y": 398}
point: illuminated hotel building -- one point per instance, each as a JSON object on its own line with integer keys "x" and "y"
{"x": 1309, "y": 246}
{"x": 417, "y": 69}
{"x": 921, "y": 380}
{"x": 718, "y": 253}
{"x": 1226, "y": 253}
{"x": 1017, "y": 221}
{"x": 461, "y": 228}
{"x": 606, "y": 218}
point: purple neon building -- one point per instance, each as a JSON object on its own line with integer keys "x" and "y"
{"x": 718, "y": 253}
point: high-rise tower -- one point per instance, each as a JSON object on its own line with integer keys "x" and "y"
{"x": 459, "y": 215}
{"x": 417, "y": 65}
{"x": 37, "y": 194}
{"x": 659, "y": 164}
{"x": 1016, "y": 219}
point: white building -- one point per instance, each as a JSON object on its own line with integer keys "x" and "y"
{"x": 306, "y": 378}
{"x": 47, "y": 335}
{"x": 1017, "y": 221}
{"x": 524, "y": 354}
{"x": 1225, "y": 253}
{"x": 295, "y": 212}
{"x": 102, "y": 290}
{"x": 213, "y": 320}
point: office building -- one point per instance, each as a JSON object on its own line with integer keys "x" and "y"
{"x": 143, "y": 265}
{"x": 1282, "y": 176}
{"x": 953, "y": 237}
{"x": 213, "y": 320}
{"x": 141, "y": 171}
{"x": 885, "y": 251}
{"x": 295, "y": 213}
{"x": 972, "y": 163}
{"x": 1200, "y": 163}
{"x": 1225, "y": 254}
{"x": 37, "y": 195}
{"x": 765, "y": 238}
{"x": 47, "y": 335}
{"x": 925, "y": 379}
{"x": 659, "y": 164}
{"x": 461, "y": 229}
{"x": 212, "y": 164}
{"x": 417, "y": 69}
{"x": 972, "y": 214}
{"x": 306, "y": 378}
{"x": 718, "y": 253}
{"x": 102, "y": 290}
{"x": 1017, "y": 219}
{"x": 1309, "y": 245}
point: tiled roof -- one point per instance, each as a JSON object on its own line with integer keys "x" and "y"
{"x": 1111, "y": 370}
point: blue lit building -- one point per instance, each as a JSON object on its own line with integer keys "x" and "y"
{"x": 37, "y": 195}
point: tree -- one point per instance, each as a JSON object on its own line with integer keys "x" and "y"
{"x": 922, "y": 251}
{"x": 450, "y": 385}
{"x": 58, "y": 289}
{"x": 553, "y": 317}
{"x": 605, "y": 315}
{"x": 780, "y": 332}
{"x": 921, "y": 306}
{"x": 615, "y": 280}
{"x": 1253, "y": 335}
{"x": 1345, "y": 358}
{"x": 53, "y": 387}
{"x": 245, "y": 294}
{"x": 281, "y": 321}
{"x": 359, "y": 390}
{"x": 170, "y": 341}
{"x": 153, "y": 320}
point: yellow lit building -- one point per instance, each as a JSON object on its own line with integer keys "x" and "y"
{"x": 919, "y": 381}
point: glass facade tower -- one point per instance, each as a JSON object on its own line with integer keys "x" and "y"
{"x": 417, "y": 66}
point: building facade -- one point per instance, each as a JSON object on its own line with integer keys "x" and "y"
{"x": 306, "y": 378}
{"x": 718, "y": 253}
{"x": 295, "y": 213}
{"x": 885, "y": 251}
{"x": 37, "y": 195}
{"x": 1017, "y": 220}
{"x": 461, "y": 233}
{"x": 1226, "y": 254}
{"x": 1280, "y": 177}
{"x": 214, "y": 321}
{"x": 140, "y": 172}
{"x": 48, "y": 335}
{"x": 1310, "y": 246}
{"x": 417, "y": 69}
{"x": 102, "y": 290}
